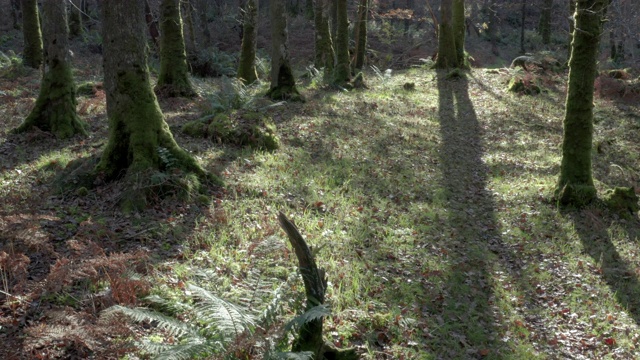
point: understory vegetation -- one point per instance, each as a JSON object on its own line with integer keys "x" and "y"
{"x": 426, "y": 198}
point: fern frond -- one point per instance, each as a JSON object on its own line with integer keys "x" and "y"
{"x": 314, "y": 313}
{"x": 192, "y": 348}
{"x": 171, "y": 307}
{"x": 173, "y": 326}
{"x": 303, "y": 355}
{"x": 228, "y": 319}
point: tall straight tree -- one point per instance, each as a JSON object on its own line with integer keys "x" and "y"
{"x": 342, "y": 71}
{"x": 361, "y": 34}
{"x": 247, "y": 64}
{"x": 75, "y": 18}
{"x": 173, "y": 79}
{"x": 137, "y": 130}
{"x": 283, "y": 84}
{"x": 32, "y": 54}
{"x": 447, "y": 53}
{"x": 458, "y": 26}
{"x": 575, "y": 185}
{"x": 324, "y": 55}
{"x": 544, "y": 26}
{"x": 55, "y": 109}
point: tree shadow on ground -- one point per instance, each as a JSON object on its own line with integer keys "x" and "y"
{"x": 597, "y": 230}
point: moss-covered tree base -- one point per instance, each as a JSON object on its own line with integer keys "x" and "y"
{"x": 240, "y": 128}
{"x": 175, "y": 90}
{"x": 55, "y": 109}
{"x": 622, "y": 199}
{"x": 577, "y": 195}
{"x": 285, "y": 92}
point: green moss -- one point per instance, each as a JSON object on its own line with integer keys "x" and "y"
{"x": 249, "y": 128}
{"x": 524, "y": 86}
{"x": 622, "y": 199}
{"x": 195, "y": 128}
{"x": 247, "y": 63}
{"x": 32, "y": 54}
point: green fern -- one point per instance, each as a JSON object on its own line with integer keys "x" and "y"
{"x": 316, "y": 312}
{"x": 233, "y": 95}
{"x": 168, "y": 160}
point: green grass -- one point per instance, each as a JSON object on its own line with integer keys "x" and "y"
{"x": 430, "y": 212}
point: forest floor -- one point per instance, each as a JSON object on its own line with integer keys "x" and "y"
{"x": 429, "y": 208}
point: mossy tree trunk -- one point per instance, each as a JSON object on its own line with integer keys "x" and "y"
{"x": 283, "y": 84}
{"x": 173, "y": 79}
{"x": 575, "y": 185}
{"x": 572, "y": 24}
{"x": 247, "y": 64}
{"x": 55, "y": 108}
{"x": 458, "y": 27}
{"x": 32, "y": 55}
{"x": 308, "y": 9}
{"x": 75, "y": 19}
{"x": 544, "y": 26}
{"x": 333, "y": 18}
{"x": 187, "y": 10}
{"x": 447, "y": 54}
{"x": 324, "y": 54}
{"x": 342, "y": 71}
{"x": 15, "y": 12}
{"x": 137, "y": 130}
{"x": 361, "y": 35}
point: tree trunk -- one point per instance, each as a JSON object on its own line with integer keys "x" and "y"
{"x": 459, "y": 31}
{"x": 247, "y": 64}
{"x": 361, "y": 35}
{"x": 324, "y": 54}
{"x": 55, "y": 109}
{"x": 333, "y": 18}
{"x": 283, "y": 84}
{"x": 152, "y": 23}
{"x": 544, "y": 26}
{"x": 187, "y": 10}
{"x": 15, "y": 12}
{"x": 308, "y": 9}
{"x": 32, "y": 54}
{"x": 173, "y": 79}
{"x": 447, "y": 54}
{"x": 342, "y": 71}
{"x": 137, "y": 130}
{"x": 572, "y": 24}
{"x": 575, "y": 185}
{"x": 522, "y": 24}
{"x": 75, "y": 20}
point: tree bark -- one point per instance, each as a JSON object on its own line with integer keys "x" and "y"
{"x": 572, "y": 24}
{"x": 361, "y": 34}
{"x": 55, "y": 108}
{"x": 324, "y": 54}
{"x": 15, "y": 12}
{"x": 342, "y": 71}
{"x": 32, "y": 55}
{"x": 137, "y": 130}
{"x": 173, "y": 79}
{"x": 575, "y": 185}
{"x": 75, "y": 20}
{"x": 447, "y": 54}
{"x": 203, "y": 11}
{"x": 247, "y": 64}
{"x": 283, "y": 84}
{"x": 458, "y": 27}
{"x": 544, "y": 27}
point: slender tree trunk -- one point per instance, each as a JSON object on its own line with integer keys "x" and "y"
{"x": 324, "y": 54}
{"x": 55, "y": 109}
{"x": 575, "y": 185}
{"x": 361, "y": 35}
{"x": 333, "y": 18}
{"x": 572, "y": 24}
{"x": 152, "y": 23}
{"x": 283, "y": 84}
{"x": 75, "y": 19}
{"x": 459, "y": 31}
{"x": 522, "y": 25}
{"x": 137, "y": 130}
{"x": 447, "y": 54}
{"x": 544, "y": 26}
{"x": 173, "y": 79}
{"x": 15, "y": 14}
{"x": 32, "y": 54}
{"x": 308, "y": 9}
{"x": 247, "y": 64}
{"x": 187, "y": 10}
{"x": 342, "y": 71}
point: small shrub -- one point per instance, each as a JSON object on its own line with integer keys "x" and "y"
{"x": 524, "y": 85}
{"x": 212, "y": 62}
